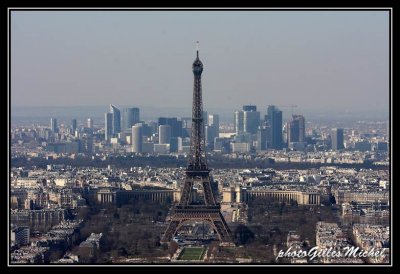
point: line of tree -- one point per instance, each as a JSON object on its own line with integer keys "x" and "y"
{"x": 215, "y": 162}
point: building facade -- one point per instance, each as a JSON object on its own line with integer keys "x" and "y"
{"x": 274, "y": 120}
{"x": 337, "y": 139}
{"x": 164, "y": 134}
{"x": 137, "y": 138}
{"x": 243, "y": 195}
{"x": 108, "y": 130}
{"x": 130, "y": 117}
{"x": 116, "y": 119}
{"x": 296, "y": 129}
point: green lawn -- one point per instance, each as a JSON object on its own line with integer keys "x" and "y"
{"x": 192, "y": 253}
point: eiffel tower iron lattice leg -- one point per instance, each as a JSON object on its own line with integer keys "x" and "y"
{"x": 209, "y": 213}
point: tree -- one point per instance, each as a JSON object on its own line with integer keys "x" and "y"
{"x": 173, "y": 247}
{"x": 83, "y": 212}
{"x": 243, "y": 234}
{"x": 55, "y": 255}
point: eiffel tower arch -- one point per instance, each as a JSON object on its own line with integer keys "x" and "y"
{"x": 197, "y": 172}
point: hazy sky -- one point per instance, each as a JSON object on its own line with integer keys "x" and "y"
{"x": 315, "y": 59}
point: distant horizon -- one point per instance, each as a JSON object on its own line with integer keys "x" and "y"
{"x": 153, "y": 112}
{"x": 259, "y": 107}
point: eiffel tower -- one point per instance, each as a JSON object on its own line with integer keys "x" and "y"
{"x": 197, "y": 172}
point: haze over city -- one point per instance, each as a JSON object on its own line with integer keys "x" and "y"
{"x": 318, "y": 60}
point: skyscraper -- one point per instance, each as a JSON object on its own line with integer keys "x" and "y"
{"x": 173, "y": 146}
{"x": 238, "y": 124}
{"x": 147, "y": 131}
{"x": 337, "y": 139}
{"x": 130, "y": 117}
{"x": 209, "y": 134}
{"x": 274, "y": 120}
{"x": 176, "y": 126}
{"x": 186, "y": 125}
{"x": 137, "y": 139}
{"x": 90, "y": 123}
{"x": 212, "y": 129}
{"x": 296, "y": 129}
{"x": 247, "y": 120}
{"x": 249, "y": 108}
{"x": 205, "y": 117}
{"x": 262, "y": 135}
{"x": 116, "y": 119}
{"x": 108, "y": 117}
{"x": 164, "y": 134}
{"x": 73, "y": 125}
{"x": 251, "y": 119}
{"x": 53, "y": 125}
{"x": 213, "y": 120}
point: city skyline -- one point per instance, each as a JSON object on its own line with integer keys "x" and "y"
{"x": 342, "y": 61}
{"x": 40, "y": 114}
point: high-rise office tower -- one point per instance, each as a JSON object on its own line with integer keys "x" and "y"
{"x": 209, "y": 134}
{"x": 247, "y": 120}
{"x": 222, "y": 144}
{"x": 238, "y": 124}
{"x": 186, "y": 122}
{"x": 205, "y": 117}
{"x": 130, "y": 117}
{"x": 213, "y": 120}
{"x": 108, "y": 117}
{"x": 147, "y": 131}
{"x": 251, "y": 119}
{"x": 116, "y": 119}
{"x": 274, "y": 120}
{"x": 296, "y": 129}
{"x": 337, "y": 138}
{"x": 137, "y": 139}
{"x": 212, "y": 129}
{"x": 186, "y": 125}
{"x": 173, "y": 146}
{"x": 73, "y": 125}
{"x": 262, "y": 135}
{"x": 164, "y": 134}
{"x": 90, "y": 123}
{"x": 86, "y": 144}
{"x": 249, "y": 108}
{"x": 176, "y": 126}
{"x": 153, "y": 126}
{"x": 53, "y": 125}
